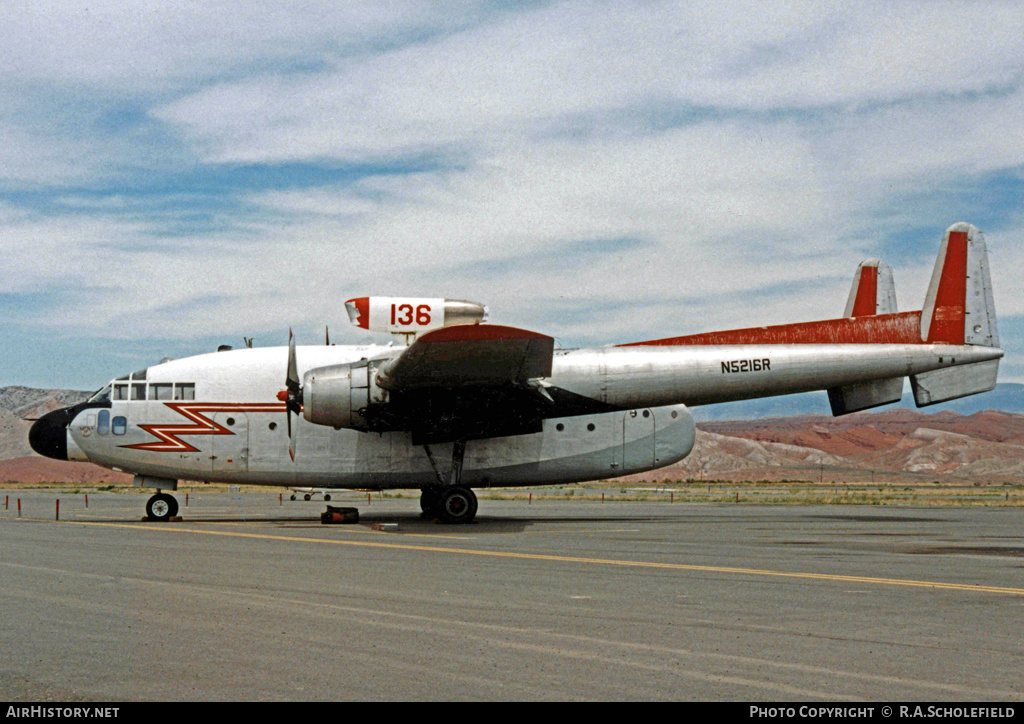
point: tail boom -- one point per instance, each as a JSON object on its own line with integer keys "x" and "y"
{"x": 637, "y": 376}
{"x": 949, "y": 349}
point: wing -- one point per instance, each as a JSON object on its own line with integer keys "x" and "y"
{"x": 465, "y": 382}
{"x": 470, "y": 355}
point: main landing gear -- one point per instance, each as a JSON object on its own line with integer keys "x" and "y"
{"x": 161, "y": 507}
{"x": 452, "y": 504}
{"x": 449, "y": 500}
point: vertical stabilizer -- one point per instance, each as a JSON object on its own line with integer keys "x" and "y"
{"x": 959, "y": 307}
{"x": 873, "y": 291}
{"x": 959, "y": 310}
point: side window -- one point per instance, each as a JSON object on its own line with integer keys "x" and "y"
{"x": 120, "y": 425}
{"x": 103, "y": 426}
{"x": 121, "y": 391}
{"x": 139, "y": 391}
{"x": 185, "y": 391}
{"x": 160, "y": 390}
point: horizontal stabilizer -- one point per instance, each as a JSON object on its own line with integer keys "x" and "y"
{"x": 953, "y": 382}
{"x": 873, "y": 291}
{"x": 865, "y": 395}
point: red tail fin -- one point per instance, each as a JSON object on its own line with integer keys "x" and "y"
{"x": 958, "y": 308}
{"x": 873, "y": 290}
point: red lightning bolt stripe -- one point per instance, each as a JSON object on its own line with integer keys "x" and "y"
{"x": 202, "y": 425}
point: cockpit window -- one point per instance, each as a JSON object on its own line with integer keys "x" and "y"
{"x": 137, "y": 391}
{"x": 101, "y": 395}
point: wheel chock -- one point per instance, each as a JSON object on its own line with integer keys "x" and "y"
{"x": 339, "y": 515}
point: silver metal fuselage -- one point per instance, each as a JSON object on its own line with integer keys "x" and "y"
{"x": 233, "y": 429}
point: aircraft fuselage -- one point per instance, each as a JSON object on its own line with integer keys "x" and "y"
{"x": 613, "y": 411}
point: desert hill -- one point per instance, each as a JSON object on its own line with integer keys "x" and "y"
{"x": 20, "y": 405}
{"x": 893, "y": 445}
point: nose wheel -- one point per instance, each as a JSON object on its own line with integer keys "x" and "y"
{"x": 161, "y": 507}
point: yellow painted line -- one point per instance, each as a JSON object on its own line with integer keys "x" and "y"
{"x": 172, "y": 528}
{"x": 359, "y": 530}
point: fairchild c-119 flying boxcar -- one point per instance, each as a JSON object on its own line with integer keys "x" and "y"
{"x": 461, "y": 404}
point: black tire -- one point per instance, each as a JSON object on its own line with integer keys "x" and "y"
{"x": 457, "y": 505}
{"x": 430, "y": 502}
{"x": 161, "y": 507}
{"x": 327, "y": 496}
{"x": 307, "y": 496}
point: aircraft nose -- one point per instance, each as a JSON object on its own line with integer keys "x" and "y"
{"x": 49, "y": 434}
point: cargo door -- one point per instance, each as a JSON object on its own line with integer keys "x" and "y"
{"x": 638, "y": 440}
{"x": 231, "y": 451}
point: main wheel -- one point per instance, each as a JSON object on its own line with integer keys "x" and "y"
{"x": 161, "y": 507}
{"x": 457, "y": 505}
{"x": 430, "y": 502}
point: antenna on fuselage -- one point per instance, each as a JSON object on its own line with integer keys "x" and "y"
{"x": 248, "y": 342}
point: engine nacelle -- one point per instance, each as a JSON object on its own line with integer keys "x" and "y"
{"x": 412, "y": 316}
{"x": 337, "y": 395}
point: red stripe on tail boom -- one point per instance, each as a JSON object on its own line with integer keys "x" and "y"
{"x": 899, "y": 328}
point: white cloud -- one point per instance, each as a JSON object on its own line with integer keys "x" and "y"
{"x": 145, "y": 45}
{"x": 744, "y": 151}
{"x": 490, "y": 80}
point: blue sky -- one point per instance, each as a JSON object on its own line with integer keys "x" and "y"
{"x": 178, "y": 175}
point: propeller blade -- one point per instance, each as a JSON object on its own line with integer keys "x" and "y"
{"x": 291, "y": 440}
{"x": 292, "y": 381}
{"x": 293, "y": 397}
